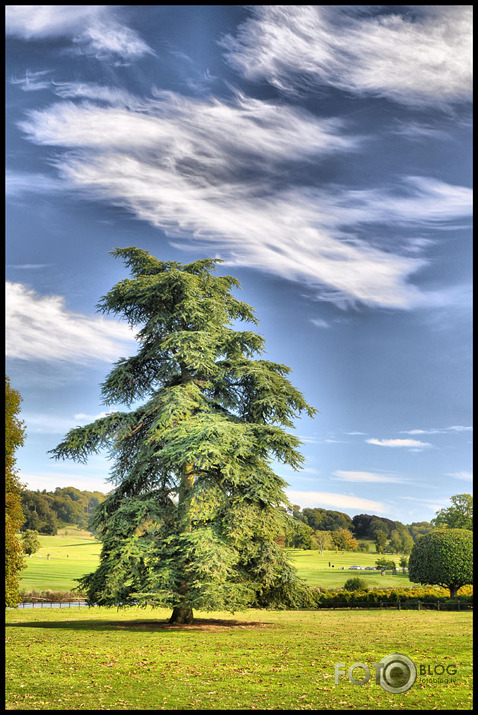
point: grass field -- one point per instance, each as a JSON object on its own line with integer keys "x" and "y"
{"x": 77, "y": 553}
{"x": 315, "y": 570}
{"x": 104, "y": 659}
{"x": 71, "y": 555}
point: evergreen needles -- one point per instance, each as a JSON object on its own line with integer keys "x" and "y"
{"x": 196, "y": 509}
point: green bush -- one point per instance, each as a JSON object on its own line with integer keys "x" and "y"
{"x": 356, "y": 584}
{"x": 335, "y": 598}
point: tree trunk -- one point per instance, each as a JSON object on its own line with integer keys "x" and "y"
{"x": 182, "y": 614}
{"x": 453, "y": 591}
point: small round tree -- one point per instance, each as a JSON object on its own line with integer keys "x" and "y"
{"x": 30, "y": 541}
{"x": 443, "y": 557}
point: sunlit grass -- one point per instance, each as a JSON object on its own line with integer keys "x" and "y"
{"x": 77, "y": 553}
{"x": 131, "y": 659}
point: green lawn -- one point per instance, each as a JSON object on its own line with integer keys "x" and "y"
{"x": 71, "y": 556}
{"x": 77, "y": 553}
{"x": 315, "y": 569}
{"x": 131, "y": 659}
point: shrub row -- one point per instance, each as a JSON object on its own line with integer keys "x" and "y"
{"x": 49, "y": 596}
{"x": 429, "y": 594}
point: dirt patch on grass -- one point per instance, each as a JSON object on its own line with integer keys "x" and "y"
{"x": 200, "y": 624}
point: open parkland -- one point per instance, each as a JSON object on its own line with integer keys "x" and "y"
{"x": 133, "y": 659}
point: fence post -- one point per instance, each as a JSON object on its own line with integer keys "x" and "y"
{"x": 399, "y": 605}
{"x": 380, "y": 605}
{"x": 458, "y": 605}
{"x": 438, "y": 605}
{"x": 418, "y": 605}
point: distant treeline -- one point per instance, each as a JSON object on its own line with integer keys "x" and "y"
{"x": 345, "y": 532}
{"x": 46, "y": 512}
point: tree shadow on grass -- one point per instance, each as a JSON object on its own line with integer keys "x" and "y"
{"x": 200, "y": 624}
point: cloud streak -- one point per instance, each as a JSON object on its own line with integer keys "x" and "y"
{"x": 208, "y": 172}
{"x": 365, "y": 477}
{"x": 416, "y": 56}
{"x": 415, "y": 443}
{"x": 41, "y": 328}
{"x": 454, "y": 429}
{"x": 94, "y": 29}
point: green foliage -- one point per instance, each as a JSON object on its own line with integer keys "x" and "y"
{"x": 326, "y": 519}
{"x": 419, "y": 528}
{"x": 14, "y": 438}
{"x": 380, "y": 539}
{"x": 46, "y": 511}
{"x": 323, "y": 539}
{"x": 457, "y": 516}
{"x": 443, "y": 557}
{"x": 356, "y": 584}
{"x": 195, "y": 512}
{"x": 384, "y": 564}
{"x": 343, "y": 539}
{"x": 365, "y": 525}
{"x": 30, "y": 542}
{"x": 349, "y": 597}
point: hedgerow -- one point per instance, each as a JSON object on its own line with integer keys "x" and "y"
{"x": 373, "y": 597}
{"x": 49, "y": 596}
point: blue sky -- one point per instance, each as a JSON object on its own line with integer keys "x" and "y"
{"x": 323, "y": 152}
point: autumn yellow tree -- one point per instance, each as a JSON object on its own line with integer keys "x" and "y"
{"x": 14, "y": 438}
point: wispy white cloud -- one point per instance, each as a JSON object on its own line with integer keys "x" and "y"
{"x": 53, "y": 424}
{"x": 417, "y": 55}
{"x": 352, "y": 476}
{"x": 454, "y": 429}
{"x": 32, "y": 81}
{"x": 320, "y": 323}
{"x": 398, "y": 443}
{"x": 95, "y": 29}
{"x": 41, "y": 328}
{"x": 207, "y": 171}
{"x": 339, "y": 501}
{"x": 18, "y": 183}
{"x": 467, "y": 476}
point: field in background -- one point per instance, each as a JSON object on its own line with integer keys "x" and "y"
{"x": 71, "y": 555}
{"x": 315, "y": 569}
{"x": 76, "y": 553}
{"x": 131, "y": 659}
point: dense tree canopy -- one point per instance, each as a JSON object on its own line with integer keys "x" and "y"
{"x": 195, "y": 512}
{"x": 14, "y": 438}
{"x": 326, "y": 519}
{"x": 457, "y": 516}
{"x": 443, "y": 557}
{"x": 46, "y": 511}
